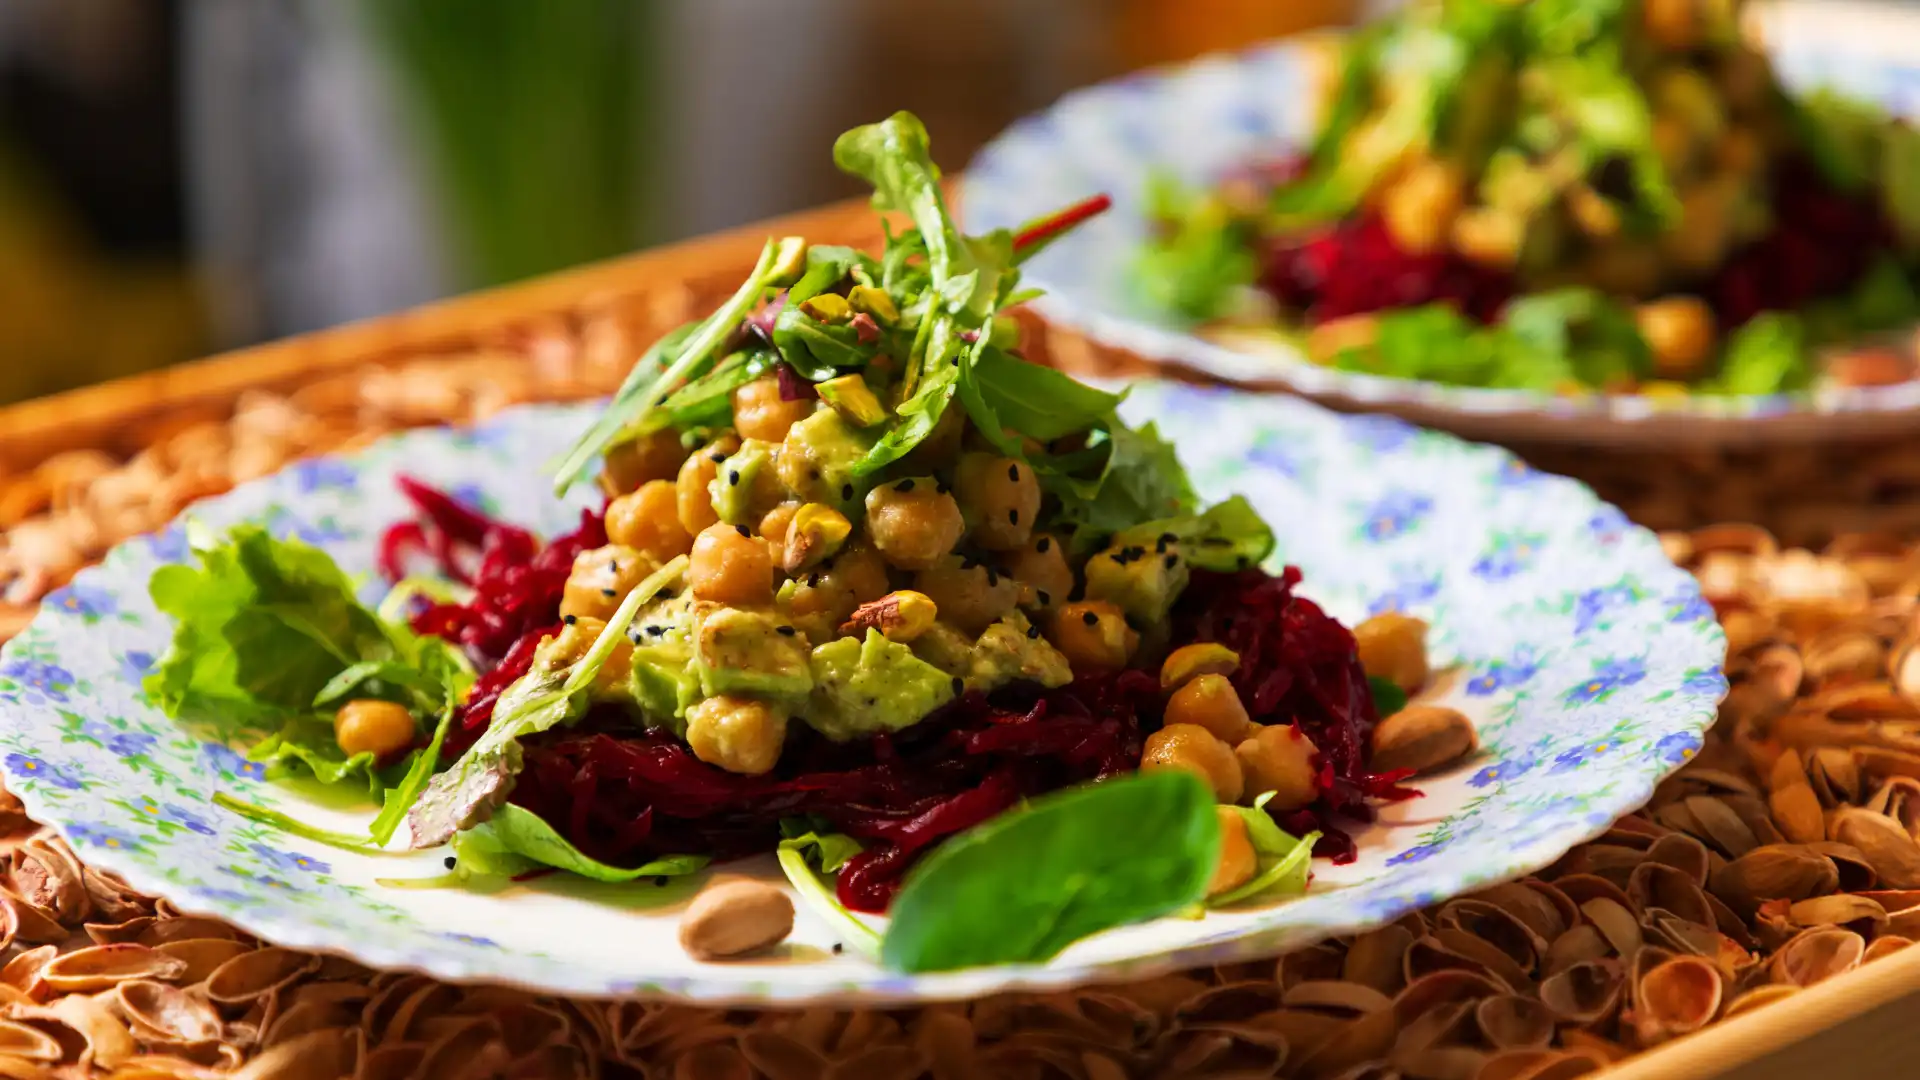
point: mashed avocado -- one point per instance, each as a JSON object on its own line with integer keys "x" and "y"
{"x": 1008, "y": 651}
{"x": 738, "y": 477}
{"x": 861, "y": 687}
{"x": 736, "y": 651}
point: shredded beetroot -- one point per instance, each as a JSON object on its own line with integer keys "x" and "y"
{"x": 793, "y": 386}
{"x": 625, "y": 795}
{"x": 1298, "y": 666}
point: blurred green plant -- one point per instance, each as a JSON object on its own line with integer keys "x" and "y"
{"x": 533, "y": 117}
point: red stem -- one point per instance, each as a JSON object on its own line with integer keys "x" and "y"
{"x": 1046, "y": 228}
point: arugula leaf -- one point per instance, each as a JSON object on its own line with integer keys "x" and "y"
{"x": 295, "y": 826}
{"x": 1610, "y": 118}
{"x": 827, "y": 264}
{"x": 544, "y": 698}
{"x": 516, "y": 831}
{"x": 814, "y": 349}
{"x": 1594, "y": 334}
{"x": 400, "y": 798}
{"x": 896, "y": 157}
{"x": 828, "y": 850}
{"x": 1766, "y": 356}
{"x": 1228, "y": 536}
{"x": 1142, "y": 480}
{"x": 1840, "y": 134}
{"x": 1883, "y": 299}
{"x": 708, "y": 400}
{"x": 799, "y": 853}
{"x": 1388, "y": 698}
{"x": 681, "y": 353}
{"x": 1030, "y": 882}
{"x": 1001, "y": 391}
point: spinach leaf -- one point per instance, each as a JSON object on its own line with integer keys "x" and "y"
{"x": 544, "y": 698}
{"x": 1228, "y": 536}
{"x": 1025, "y": 885}
{"x": 1388, "y": 698}
{"x": 814, "y": 349}
{"x": 516, "y": 831}
{"x": 1002, "y": 391}
{"x": 664, "y": 367}
{"x": 827, "y": 264}
{"x": 1142, "y": 480}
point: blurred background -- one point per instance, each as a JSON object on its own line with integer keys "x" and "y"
{"x": 179, "y": 177}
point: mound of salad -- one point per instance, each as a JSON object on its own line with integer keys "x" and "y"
{"x": 1564, "y": 196}
{"x": 867, "y": 590}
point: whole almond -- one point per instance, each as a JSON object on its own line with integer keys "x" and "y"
{"x": 1888, "y": 848}
{"x": 1422, "y": 738}
{"x": 734, "y": 918}
{"x": 1774, "y": 872}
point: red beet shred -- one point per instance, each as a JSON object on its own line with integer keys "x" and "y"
{"x": 625, "y": 795}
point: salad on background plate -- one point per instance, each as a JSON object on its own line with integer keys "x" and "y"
{"x": 1570, "y": 197}
{"x": 847, "y": 656}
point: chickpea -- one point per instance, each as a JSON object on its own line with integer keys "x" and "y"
{"x": 1679, "y": 330}
{"x": 1210, "y": 701}
{"x": 819, "y": 601}
{"x": 773, "y": 528}
{"x": 655, "y": 456}
{"x": 648, "y": 521}
{"x": 1279, "y": 759}
{"x": 371, "y": 726}
{"x": 740, "y": 735}
{"x": 575, "y": 640}
{"x": 1000, "y": 496}
{"x": 1197, "y": 750}
{"x": 970, "y": 595}
{"x": 1489, "y": 236}
{"x": 1042, "y": 571}
{"x": 1393, "y": 647}
{"x": 730, "y": 566}
{"x": 1238, "y": 862}
{"x": 913, "y": 522}
{"x": 601, "y": 578}
{"x": 758, "y": 412}
{"x": 1420, "y": 207}
{"x": 692, "y": 495}
{"x": 1094, "y": 636}
{"x": 1328, "y": 340}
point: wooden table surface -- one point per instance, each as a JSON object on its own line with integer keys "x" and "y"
{"x": 1859, "y": 1022}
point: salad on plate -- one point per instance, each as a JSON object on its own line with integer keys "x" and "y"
{"x": 1568, "y": 197}
{"x": 863, "y": 589}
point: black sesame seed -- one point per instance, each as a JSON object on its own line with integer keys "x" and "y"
{"x": 958, "y": 684}
{"x": 992, "y": 578}
{"x": 784, "y": 631}
{"x": 1045, "y": 543}
{"x": 1160, "y": 546}
{"x": 1033, "y": 632}
{"x": 571, "y": 619}
{"x": 1013, "y": 473}
{"x": 956, "y": 361}
{"x": 904, "y": 485}
{"x": 633, "y": 636}
{"x": 613, "y": 566}
{"x": 838, "y": 948}
{"x": 609, "y": 592}
{"x": 1168, "y": 538}
{"x": 450, "y": 862}
{"x": 657, "y": 631}
{"x": 1243, "y": 562}
{"x": 941, "y": 487}
{"x": 660, "y": 882}
{"x": 1137, "y": 552}
{"x": 743, "y": 530}
{"x": 716, "y": 457}
{"x": 813, "y": 474}
{"x": 1171, "y": 561}
{"x": 1090, "y": 618}
{"x": 846, "y": 491}
{"x": 1046, "y": 597}
{"x": 733, "y": 477}
{"x": 1013, "y": 517}
{"x": 1216, "y": 541}
{"x": 813, "y": 581}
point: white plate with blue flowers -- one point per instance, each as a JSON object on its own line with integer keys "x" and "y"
{"x": 1589, "y": 663}
{"x": 1199, "y": 121}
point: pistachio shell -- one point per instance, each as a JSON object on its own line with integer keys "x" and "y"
{"x": 1884, "y": 946}
{"x": 1655, "y": 885}
{"x": 255, "y": 974}
{"x": 1451, "y": 1023}
{"x": 1440, "y": 1063}
{"x": 1856, "y": 874}
{"x": 400, "y": 1061}
{"x": 186, "y": 928}
{"x": 100, "y": 967}
{"x": 1758, "y": 996}
{"x": 1675, "y": 997}
{"x": 108, "y": 1041}
{"x": 1336, "y": 996}
{"x": 1796, "y": 808}
{"x": 1544, "y": 909}
{"x": 1497, "y": 928}
{"x": 28, "y": 922}
{"x": 1376, "y": 959}
{"x": 1817, "y": 955}
{"x": 1683, "y": 853}
{"x": 202, "y": 955}
{"x": 322, "y": 1055}
{"x": 1577, "y": 945}
{"x": 1615, "y": 922}
{"x": 1585, "y": 993}
{"x": 21, "y": 1041}
{"x": 1834, "y": 774}
{"x": 23, "y": 971}
{"x": 1856, "y": 913}
{"x": 1887, "y": 847}
{"x": 1510, "y": 1022}
{"x": 1775, "y": 871}
{"x": 167, "y": 1010}
{"x": 1439, "y": 988}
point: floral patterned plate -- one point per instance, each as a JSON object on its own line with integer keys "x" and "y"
{"x": 1588, "y": 661}
{"x": 1195, "y": 121}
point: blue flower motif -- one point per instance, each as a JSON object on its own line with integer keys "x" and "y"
{"x": 231, "y": 896}
{"x": 1569, "y": 760}
{"x": 259, "y": 879}
{"x": 227, "y": 763}
{"x": 1591, "y": 606}
{"x": 22, "y": 765}
{"x": 86, "y": 601}
{"x": 124, "y": 744}
{"x": 1417, "y": 854}
{"x": 317, "y": 474}
{"x": 1677, "y": 747}
{"x": 1516, "y": 473}
{"x": 1409, "y": 592}
{"x": 103, "y": 836}
{"x": 1396, "y": 513}
{"x": 1383, "y": 434}
{"x": 1510, "y": 555}
{"x": 136, "y": 665}
{"x": 324, "y": 531}
{"x": 1271, "y": 452}
{"x": 1688, "y": 606}
{"x": 1502, "y": 770}
{"x": 170, "y": 545}
{"x": 1504, "y": 674}
{"x": 187, "y": 819}
{"x": 1608, "y": 676}
{"x": 472, "y": 939}
{"x": 1704, "y": 681}
{"x": 1608, "y": 523}
{"x": 43, "y": 681}
{"x": 289, "y": 860}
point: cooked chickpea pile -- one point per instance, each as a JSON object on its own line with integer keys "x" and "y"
{"x": 1208, "y": 732}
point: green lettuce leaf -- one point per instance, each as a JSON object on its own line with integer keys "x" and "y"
{"x": 1388, "y": 698}
{"x": 514, "y": 833}
{"x": 1766, "y": 356}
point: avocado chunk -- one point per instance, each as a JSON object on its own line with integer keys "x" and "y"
{"x": 1008, "y": 652}
{"x": 848, "y": 395}
{"x": 817, "y": 458}
{"x": 736, "y": 651}
{"x": 945, "y": 648}
{"x": 865, "y": 686}
{"x": 1141, "y": 580}
{"x": 662, "y": 681}
{"x": 738, "y": 477}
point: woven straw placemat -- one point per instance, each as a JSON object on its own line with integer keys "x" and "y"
{"x": 1783, "y": 855}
